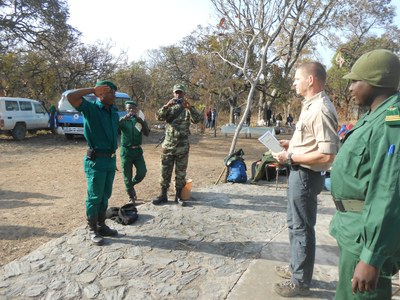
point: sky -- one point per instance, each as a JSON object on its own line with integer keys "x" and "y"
{"x": 138, "y": 26}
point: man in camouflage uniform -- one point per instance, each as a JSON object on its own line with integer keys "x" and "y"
{"x": 178, "y": 113}
{"x": 365, "y": 180}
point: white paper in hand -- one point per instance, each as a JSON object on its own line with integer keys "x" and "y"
{"x": 271, "y": 142}
{"x": 138, "y": 125}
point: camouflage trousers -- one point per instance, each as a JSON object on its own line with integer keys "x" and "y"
{"x": 178, "y": 156}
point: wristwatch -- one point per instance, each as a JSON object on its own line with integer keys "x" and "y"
{"x": 289, "y": 159}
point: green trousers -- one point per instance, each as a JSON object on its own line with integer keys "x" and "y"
{"x": 347, "y": 265}
{"x": 99, "y": 190}
{"x": 132, "y": 158}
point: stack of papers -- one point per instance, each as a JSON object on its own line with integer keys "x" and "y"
{"x": 270, "y": 141}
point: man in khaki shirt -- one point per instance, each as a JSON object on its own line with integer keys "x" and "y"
{"x": 309, "y": 154}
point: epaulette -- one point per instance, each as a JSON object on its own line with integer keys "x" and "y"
{"x": 392, "y": 116}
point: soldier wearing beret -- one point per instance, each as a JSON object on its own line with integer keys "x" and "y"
{"x": 100, "y": 125}
{"x": 132, "y": 127}
{"x": 178, "y": 113}
{"x": 365, "y": 180}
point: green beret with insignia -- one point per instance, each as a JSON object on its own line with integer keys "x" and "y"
{"x": 379, "y": 68}
{"x": 130, "y": 102}
{"x": 107, "y": 82}
{"x": 392, "y": 116}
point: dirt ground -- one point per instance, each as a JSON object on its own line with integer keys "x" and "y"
{"x": 43, "y": 186}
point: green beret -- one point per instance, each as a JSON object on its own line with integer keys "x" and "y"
{"x": 107, "y": 82}
{"x": 130, "y": 102}
{"x": 179, "y": 87}
{"x": 379, "y": 68}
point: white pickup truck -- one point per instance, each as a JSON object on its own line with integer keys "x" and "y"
{"x": 18, "y": 115}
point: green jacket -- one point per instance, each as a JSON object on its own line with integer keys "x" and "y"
{"x": 366, "y": 169}
{"x": 178, "y": 123}
{"x": 130, "y": 135}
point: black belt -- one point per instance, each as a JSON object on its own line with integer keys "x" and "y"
{"x": 351, "y": 205}
{"x": 298, "y": 167}
{"x": 108, "y": 155}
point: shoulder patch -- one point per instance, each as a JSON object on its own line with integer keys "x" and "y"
{"x": 392, "y": 116}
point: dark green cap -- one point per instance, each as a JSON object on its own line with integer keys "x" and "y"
{"x": 107, "y": 82}
{"x": 130, "y": 102}
{"x": 179, "y": 87}
{"x": 380, "y": 68}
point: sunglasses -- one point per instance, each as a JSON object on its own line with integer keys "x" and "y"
{"x": 178, "y": 92}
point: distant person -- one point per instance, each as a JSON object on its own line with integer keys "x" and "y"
{"x": 213, "y": 117}
{"x": 236, "y": 114}
{"x": 289, "y": 120}
{"x": 208, "y": 118}
{"x": 309, "y": 154}
{"x": 248, "y": 118}
{"x": 268, "y": 117}
{"x": 52, "y": 118}
{"x": 132, "y": 128}
{"x": 365, "y": 182}
{"x": 178, "y": 113}
{"x": 279, "y": 120}
{"x": 100, "y": 126}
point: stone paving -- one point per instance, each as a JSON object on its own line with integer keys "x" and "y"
{"x": 223, "y": 245}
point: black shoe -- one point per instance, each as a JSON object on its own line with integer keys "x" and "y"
{"x": 104, "y": 230}
{"x": 160, "y": 200}
{"x": 132, "y": 195}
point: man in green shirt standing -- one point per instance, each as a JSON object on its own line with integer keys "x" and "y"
{"x": 100, "y": 125}
{"x": 132, "y": 127}
{"x": 365, "y": 180}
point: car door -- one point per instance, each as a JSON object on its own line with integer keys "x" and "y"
{"x": 41, "y": 116}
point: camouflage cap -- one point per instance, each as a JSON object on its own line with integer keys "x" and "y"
{"x": 107, "y": 82}
{"x": 379, "y": 68}
{"x": 130, "y": 102}
{"x": 179, "y": 87}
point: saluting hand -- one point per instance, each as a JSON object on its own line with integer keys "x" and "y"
{"x": 101, "y": 89}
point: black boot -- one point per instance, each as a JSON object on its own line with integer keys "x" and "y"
{"x": 132, "y": 196}
{"x": 178, "y": 199}
{"x": 93, "y": 232}
{"x": 103, "y": 229}
{"x": 162, "y": 198}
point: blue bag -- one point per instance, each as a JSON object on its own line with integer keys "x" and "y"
{"x": 237, "y": 171}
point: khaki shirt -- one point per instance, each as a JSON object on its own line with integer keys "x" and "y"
{"x": 316, "y": 130}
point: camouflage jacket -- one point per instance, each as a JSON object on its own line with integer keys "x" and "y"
{"x": 178, "y": 123}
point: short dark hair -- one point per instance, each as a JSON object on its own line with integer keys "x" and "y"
{"x": 316, "y": 69}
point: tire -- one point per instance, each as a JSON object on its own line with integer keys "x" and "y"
{"x": 19, "y": 131}
{"x": 69, "y": 136}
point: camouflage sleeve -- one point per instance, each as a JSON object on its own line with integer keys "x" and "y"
{"x": 161, "y": 114}
{"x": 195, "y": 116}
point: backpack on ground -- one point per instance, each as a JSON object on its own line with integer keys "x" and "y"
{"x": 236, "y": 167}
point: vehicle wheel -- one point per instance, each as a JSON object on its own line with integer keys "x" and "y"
{"x": 19, "y": 131}
{"x": 69, "y": 136}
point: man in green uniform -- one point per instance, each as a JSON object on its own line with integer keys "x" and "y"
{"x": 178, "y": 113}
{"x": 132, "y": 126}
{"x": 365, "y": 180}
{"x": 100, "y": 124}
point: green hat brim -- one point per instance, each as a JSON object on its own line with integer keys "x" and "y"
{"x": 108, "y": 83}
{"x": 130, "y": 102}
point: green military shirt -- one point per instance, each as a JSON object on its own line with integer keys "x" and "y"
{"x": 367, "y": 168}
{"x": 178, "y": 123}
{"x": 130, "y": 135}
{"x": 100, "y": 128}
